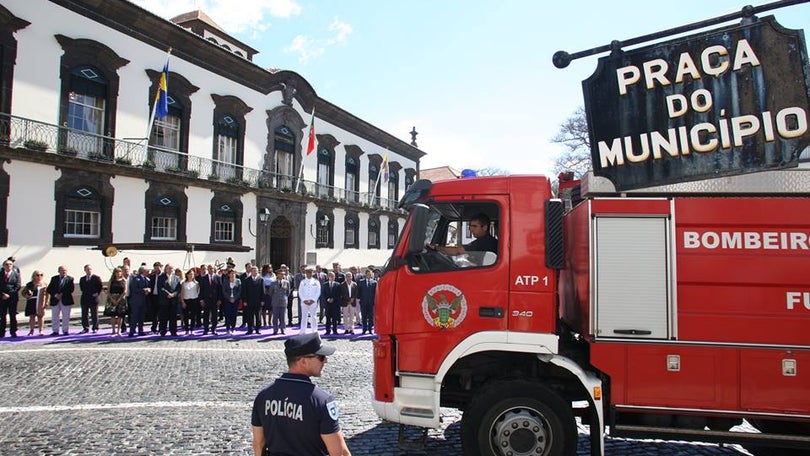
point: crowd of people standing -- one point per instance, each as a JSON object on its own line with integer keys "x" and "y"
{"x": 168, "y": 300}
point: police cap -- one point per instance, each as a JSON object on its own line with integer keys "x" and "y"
{"x": 306, "y": 344}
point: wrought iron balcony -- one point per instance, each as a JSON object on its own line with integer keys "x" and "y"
{"x": 39, "y": 137}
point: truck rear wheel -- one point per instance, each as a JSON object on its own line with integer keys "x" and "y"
{"x": 518, "y": 418}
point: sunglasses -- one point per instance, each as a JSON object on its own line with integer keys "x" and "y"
{"x": 321, "y": 358}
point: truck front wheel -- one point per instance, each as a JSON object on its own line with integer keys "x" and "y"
{"x": 518, "y": 418}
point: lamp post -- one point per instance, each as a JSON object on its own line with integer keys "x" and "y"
{"x": 263, "y": 216}
{"x": 322, "y": 222}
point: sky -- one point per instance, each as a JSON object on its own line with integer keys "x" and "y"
{"x": 473, "y": 77}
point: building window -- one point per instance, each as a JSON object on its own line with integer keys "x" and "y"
{"x": 164, "y": 217}
{"x": 393, "y": 189}
{"x": 284, "y": 144}
{"x": 352, "y": 183}
{"x": 164, "y": 228}
{"x": 82, "y": 224}
{"x": 373, "y": 233}
{"x": 325, "y": 173}
{"x": 351, "y": 225}
{"x": 323, "y": 230}
{"x": 373, "y": 181}
{"x": 393, "y": 233}
{"x": 229, "y": 136}
{"x": 166, "y": 133}
{"x": 168, "y": 141}
{"x": 227, "y": 152}
{"x": 223, "y": 231}
{"x": 83, "y": 212}
{"x": 87, "y": 94}
{"x": 164, "y": 200}
{"x": 226, "y": 217}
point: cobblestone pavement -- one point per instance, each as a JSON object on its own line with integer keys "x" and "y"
{"x": 97, "y": 395}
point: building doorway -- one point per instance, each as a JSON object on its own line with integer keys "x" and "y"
{"x": 280, "y": 242}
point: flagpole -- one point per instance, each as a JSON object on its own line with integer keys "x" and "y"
{"x": 154, "y": 105}
{"x": 300, "y": 176}
{"x": 374, "y": 194}
{"x": 383, "y": 164}
{"x": 310, "y": 148}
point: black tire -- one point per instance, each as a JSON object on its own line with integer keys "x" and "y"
{"x": 518, "y": 418}
{"x": 779, "y": 427}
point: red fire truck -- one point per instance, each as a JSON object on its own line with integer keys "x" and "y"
{"x": 670, "y": 312}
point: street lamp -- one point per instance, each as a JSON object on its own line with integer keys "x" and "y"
{"x": 322, "y": 222}
{"x": 264, "y": 216}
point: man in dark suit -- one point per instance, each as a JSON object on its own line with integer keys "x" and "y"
{"x": 209, "y": 299}
{"x": 90, "y": 284}
{"x": 167, "y": 308}
{"x": 330, "y": 302}
{"x": 252, "y": 292}
{"x": 242, "y": 277}
{"x": 138, "y": 292}
{"x": 349, "y": 293}
{"x": 61, "y": 289}
{"x": 368, "y": 290}
{"x": 9, "y": 295}
{"x": 156, "y": 280}
{"x": 339, "y": 276}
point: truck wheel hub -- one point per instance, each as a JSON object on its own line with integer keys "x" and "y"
{"x": 519, "y": 431}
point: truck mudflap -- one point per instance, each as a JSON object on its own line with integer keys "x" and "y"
{"x": 593, "y": 386}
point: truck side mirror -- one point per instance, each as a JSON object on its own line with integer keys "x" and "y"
{"x": 555, "y": 252}
{"x": 419, "y": 216}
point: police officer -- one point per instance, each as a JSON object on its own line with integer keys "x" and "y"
{"x": 292, "y": 416}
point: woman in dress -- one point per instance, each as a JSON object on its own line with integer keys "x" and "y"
{"x": 35, "y": 302}
{"x": 116, "y": 306}
{"x": 280, "y": 290}
{"x": 231, "y": 295}
{"x": 190, "y": 300}
{"x": 269, "y": 277}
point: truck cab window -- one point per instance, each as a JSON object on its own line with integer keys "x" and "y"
{"x": 459, "y": 236}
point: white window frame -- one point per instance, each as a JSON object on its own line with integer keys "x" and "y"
{"x": 164, "y": 228}
{"x": 82, "y": 105}
{"x": 94, "y": 224}
{"x": 169, "y": 127}
{"x": 224, "y": 231}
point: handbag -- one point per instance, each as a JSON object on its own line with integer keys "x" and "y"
{"x": 109, "y": 307}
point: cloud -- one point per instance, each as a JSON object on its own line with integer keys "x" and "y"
{"x": 307, "y": 47}
{"x": 249, "y": 16}
{"x": 343, "y": 31}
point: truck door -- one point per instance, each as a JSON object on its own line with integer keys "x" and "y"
{"x": 444, "y": 295}
{"x": 632, "y": 276}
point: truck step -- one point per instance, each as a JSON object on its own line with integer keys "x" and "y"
{"x": 780, "y": 440}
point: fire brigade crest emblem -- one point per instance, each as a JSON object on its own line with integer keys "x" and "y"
{"x": 444, "y": 306}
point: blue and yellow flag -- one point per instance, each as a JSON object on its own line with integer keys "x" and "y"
{"x": 162, "y": 95}
{"x": 384, "y": 168}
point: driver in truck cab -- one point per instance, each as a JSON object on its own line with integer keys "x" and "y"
{"x": 484, "y": 242}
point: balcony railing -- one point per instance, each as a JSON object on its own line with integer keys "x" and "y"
{"x": 40, "y": 137}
